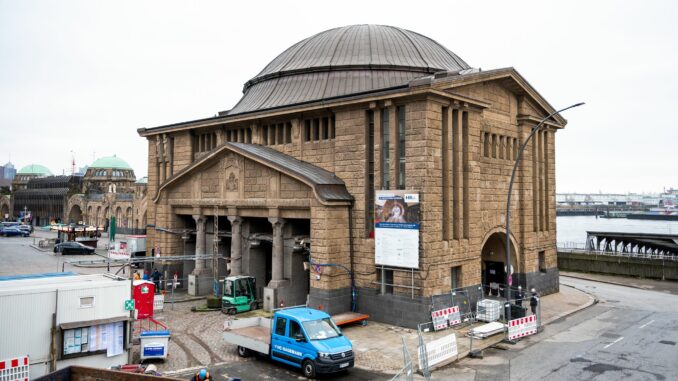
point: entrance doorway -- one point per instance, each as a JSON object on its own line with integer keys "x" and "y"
{"x": 494, "y": 264}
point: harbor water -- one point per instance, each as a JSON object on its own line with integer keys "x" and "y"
{"x": 572, "y": 229}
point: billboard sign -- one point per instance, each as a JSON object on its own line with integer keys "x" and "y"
{"x": 396, "y": 228}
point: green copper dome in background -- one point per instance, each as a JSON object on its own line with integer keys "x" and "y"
{"x": 110, "y": 162}
{"x": 35, "y": 169}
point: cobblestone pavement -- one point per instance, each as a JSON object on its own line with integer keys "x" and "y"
{"x": 197, "y": 336}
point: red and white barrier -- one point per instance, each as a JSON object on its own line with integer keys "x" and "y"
{"x": 445, "y": 318}
{"x": 14, "y": 369}
{"x": 522, "y": 327}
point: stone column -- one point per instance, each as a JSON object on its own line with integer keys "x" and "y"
{"x": 200, "y": 241}
{"x": 277, "y": 276}
{"x": 236, "y": 245}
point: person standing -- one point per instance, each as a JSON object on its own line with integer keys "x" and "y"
{"x": 520, "y": 295}
{"x": 534, "y": 301}
{"x": 156, "y": 279}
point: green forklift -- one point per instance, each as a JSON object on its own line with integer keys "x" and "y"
{"x": 240, "y": 294}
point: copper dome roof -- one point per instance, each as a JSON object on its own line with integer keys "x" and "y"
{"x": 343, "y": 61}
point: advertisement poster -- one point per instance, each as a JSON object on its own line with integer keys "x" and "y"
{"x": 396, "y": 228}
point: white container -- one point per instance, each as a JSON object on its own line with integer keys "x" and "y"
{"x": 488, "y": 310}
{"x": 34, "y": 307}
{"x": 154, "y": 344}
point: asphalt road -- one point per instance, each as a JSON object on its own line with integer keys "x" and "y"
{"x": 631, "y": 334}
{"x": 260, "y": 368}
{"x": 18, "y": 257}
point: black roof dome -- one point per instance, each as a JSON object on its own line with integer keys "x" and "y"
{"x": 344, "y": 61}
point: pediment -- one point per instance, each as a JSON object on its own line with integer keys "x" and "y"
{"x": 250, "y": 171}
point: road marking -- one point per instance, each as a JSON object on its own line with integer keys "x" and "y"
{"x": 646, "y": 324}
{"x": 614, "y": 342}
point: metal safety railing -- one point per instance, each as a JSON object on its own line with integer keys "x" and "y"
{"x": 624, "y": 254}
{"x": 407, "y": 371}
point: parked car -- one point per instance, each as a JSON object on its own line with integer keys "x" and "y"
{"x": 73, "y": 248}
{"x": 27, "y": 228}
{"x": 13, "y": 231}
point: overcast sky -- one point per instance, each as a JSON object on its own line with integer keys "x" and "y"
{"x": 82, "y": 76}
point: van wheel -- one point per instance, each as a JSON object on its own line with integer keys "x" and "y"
{"x": 308, "y": 367}
{"x": 243, "y": 352}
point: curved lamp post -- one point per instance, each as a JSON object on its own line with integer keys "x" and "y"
{"x": 508, "y": 204}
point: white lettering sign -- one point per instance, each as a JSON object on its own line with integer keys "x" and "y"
{"x": 522, "y": 327}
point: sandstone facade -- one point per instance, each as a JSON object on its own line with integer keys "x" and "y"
{"x": 267, "y": 170}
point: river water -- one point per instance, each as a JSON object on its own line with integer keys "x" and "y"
{"x": 572, "y": 229}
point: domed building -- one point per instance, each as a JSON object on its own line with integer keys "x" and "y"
{"x": 110, "y": 190}
{"x": 109, "y": 174}
{"x": 40, "y": 198}
{"x": 31, "y": 171}
{"x": 376, "y": 154}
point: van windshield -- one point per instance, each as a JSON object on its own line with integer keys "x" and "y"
{"x": 321, "y": 329}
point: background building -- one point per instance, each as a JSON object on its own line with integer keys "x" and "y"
{"x": 324, "y": 126}
{"x": 108, "y": 189}
{"x": 7, "y": 174}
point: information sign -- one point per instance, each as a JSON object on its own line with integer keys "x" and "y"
{"x": 396, "y": 228}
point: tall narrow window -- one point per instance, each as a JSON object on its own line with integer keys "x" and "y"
{"x": 542, "y": 261}
{"x": 465, "y": 164}
{"x": 326, "y": 128}
{"x": 547, "y": 188}
{"x": 456, "y": 178}
{"x": 332, "y": 127}
{"x": 288, "y": 132}
{"x": 400, "y": 111}
{"x": 281, "y": 133}
{"x": 316, "y": 129}
{"x": 385, "y": 277}
{"x": 455, "y": 277}
{"x": 385, "y": 149}
{"x": 307, "y": 130}
{"x": 369, "y": 199}
{"x": 446, "y": 172}
{"x": 264, "y": 136}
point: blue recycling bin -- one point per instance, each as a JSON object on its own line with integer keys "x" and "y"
{"x": 154, "y": 344}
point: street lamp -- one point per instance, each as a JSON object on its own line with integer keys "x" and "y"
{"x": 508, "y": 205}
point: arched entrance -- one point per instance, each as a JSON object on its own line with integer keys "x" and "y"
{"x": 75, "y": 215}
{"x": 4, "y": 211}
{"x": 493, "y": 257}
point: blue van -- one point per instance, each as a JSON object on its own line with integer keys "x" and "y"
{"x": 301, "y": 337}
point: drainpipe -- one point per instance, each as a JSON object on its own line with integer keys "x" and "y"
{"x": 354, "y": 292}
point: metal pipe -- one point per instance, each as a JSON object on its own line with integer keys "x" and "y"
{"x": 508, "y": 202}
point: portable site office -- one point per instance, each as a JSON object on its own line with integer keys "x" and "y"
{"x": 87, "y": 312}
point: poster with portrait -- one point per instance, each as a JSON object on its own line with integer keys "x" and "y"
{"x": 396, "y": 228}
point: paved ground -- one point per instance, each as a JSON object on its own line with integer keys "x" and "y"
{"x": 631, "y": 334}
{"x": 645, "y": 284}
{"x": 197, "y": 340}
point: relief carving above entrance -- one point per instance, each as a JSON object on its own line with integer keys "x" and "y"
{"x": 232, "y": 183}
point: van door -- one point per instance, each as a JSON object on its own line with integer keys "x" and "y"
{"x": 299, "y": 342}
{"x": 281, "y": 346}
